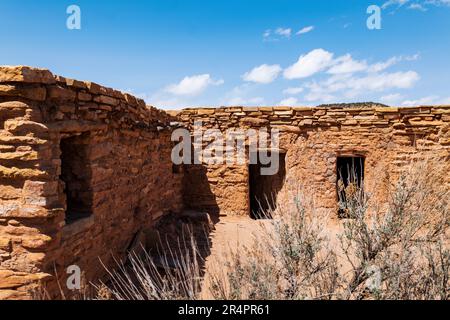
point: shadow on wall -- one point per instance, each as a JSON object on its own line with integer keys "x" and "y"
{"x": 197, "y": 191}
{"x": 264, "y": 189}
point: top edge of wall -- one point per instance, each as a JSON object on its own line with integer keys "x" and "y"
{"x": 340, "y": 108}
{"x": 31, "y": 75}
{"x": 26, "y": 74}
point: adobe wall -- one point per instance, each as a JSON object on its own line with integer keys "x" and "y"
{"x": 127, "y": 146}
{"x": 388, "y": 138}
{"x": 126, "y": 150}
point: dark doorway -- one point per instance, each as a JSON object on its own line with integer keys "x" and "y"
{"x": 264, "y": 189}
{"x": 350, "y": 173}
{"x": 76, "y": 175}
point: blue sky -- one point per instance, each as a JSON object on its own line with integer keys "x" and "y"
{"x": 180, "y": 53}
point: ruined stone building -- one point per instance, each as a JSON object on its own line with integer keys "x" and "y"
{"x": 85, "y": 169}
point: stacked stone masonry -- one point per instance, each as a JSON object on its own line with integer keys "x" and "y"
{"x": 312, "y": 139}
{"x": 130, "y": 183}
{"x": 119, "y": 161}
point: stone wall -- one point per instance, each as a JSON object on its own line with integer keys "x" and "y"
{"x": 86, "y": 170}
{"x": 119, "y": 147}
{"x": 313, "y": 138}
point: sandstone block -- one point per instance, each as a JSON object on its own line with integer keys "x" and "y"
{"x": 104, "y": 107}
{"x": 106, "y": 100}
{"x": 61, "y": 94}
{"x": 33, "y": 93}
{"x": 83, "y": 96}
{"x": 76, "y": 126}
{"x": 9, "y": 192}
{"x": 11, "y": 280}
{"x": 306, "y": 122}
{"x": 75, "y": 83}
{"x": 38, "y": 241}
{"x": 13, "y": 295}
{"x": 39, "y": 188}
{"x": 23, "y": 127}
{"x": 95, "y": 88}
{"x": 67, "y": 108}
{"x": 130, "y": 99}
{"x": 320, "y": 112}
{"x": 5, "y": 243}
{"x": 233, "y": 109}
{"x": 304, "y": 109}
{"x": 23, "y": 156}
{"x": 425, "y": 123}
{"x": 26, "y": 74}
{"x": 254, "y": 121}
{"x": 12, "y": 109}
{"x": 291, "y": 129}
{"x": 12, "y": 140}
{"x": 15, "y": 173}
{"x": 387, "y": 110}
{"x": 206, "y": 111}
{"x": 250, "y": 109}
{"x": 24, "y": 212}
{"x": 284, "y": 113}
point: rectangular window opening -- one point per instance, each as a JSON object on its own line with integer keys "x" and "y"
{"x": 264, "y": 189}
{"x": 350, "y": 180}
{"x": 76, "y": 175}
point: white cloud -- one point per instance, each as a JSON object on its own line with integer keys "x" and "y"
{"x": 380, "y": 66}
{"x": 346, "y": 64}
{"x": 288, "y": 102}
{"x": 284, "y": 32}
{"x": 445, "y": 101}
{"x": 421, "y": 101}
{"x": 413, "y": 57}
{"x": 397, "y": 3}
{"x": 193, "y": 85}
{"x": 417, "y": 6}
{"x": 170, "y": 103}
{"x": 242, "y": 95}
{"x": 391, "y": 99}
{"x": 429, "y": 100}
{"x": 263, "y": 74}
{"x": 343, "y": 81}
{"x": 438, "y": 2}
{"x": 240, "y": 101}
{"x": 380, "y": 82}
{"x": 320, "y": 96}
{"x": 305, "y": 30}
{"x": 351, "y": 87}
{"x": 291, "y": 91}
{"x": 277, "y": 34}
{"x": 309, "y": 64}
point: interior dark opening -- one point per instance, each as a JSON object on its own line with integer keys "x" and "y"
{"x": 350, "y": 171}
{"x": 76, "y": 175}
{"x": 264, "y": 189}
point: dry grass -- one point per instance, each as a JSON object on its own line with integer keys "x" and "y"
{"x": 397, "y": 250}
{"x": 173, "y": 273}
